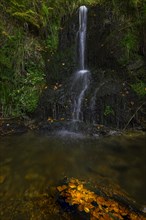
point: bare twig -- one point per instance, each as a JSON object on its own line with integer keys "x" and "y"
{"x": 133, "y": 115}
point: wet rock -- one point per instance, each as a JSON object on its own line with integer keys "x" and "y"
{"x": 9, "y": 127}
{"x": 78, "y": 127}
{"x": 75, "y": 193}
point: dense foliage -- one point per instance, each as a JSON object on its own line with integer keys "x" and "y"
{"x": 29, "y": 35}
{"x": 28, "y": 31}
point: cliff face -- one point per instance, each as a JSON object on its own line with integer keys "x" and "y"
{"x": 38, "y": 58}
{"x": 115, "y": 56}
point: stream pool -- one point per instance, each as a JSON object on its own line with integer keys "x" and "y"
{"x": 30, "y": 163}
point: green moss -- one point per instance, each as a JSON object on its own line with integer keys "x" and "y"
{"x": 108, "y": 110}
{"x": 130, "y": 44}
{"x": 21, "y": 73}
{"x": 139, "y": 88}
{"x": 29, "y": 33}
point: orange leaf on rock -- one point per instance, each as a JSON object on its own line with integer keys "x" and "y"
{"x": 98, "y": 207}
{"x": 79, "y": 187}
{"x": 59, "y": 188}
{"x": 86, "y": 209}
{"x": 72, "y": 185}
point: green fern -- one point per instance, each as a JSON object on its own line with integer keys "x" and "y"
{"x": 29, "y": 16}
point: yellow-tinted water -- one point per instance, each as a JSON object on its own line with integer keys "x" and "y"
{"x": 31, "y": 164}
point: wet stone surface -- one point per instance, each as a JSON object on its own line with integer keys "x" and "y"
{"x": 76, "y": 194}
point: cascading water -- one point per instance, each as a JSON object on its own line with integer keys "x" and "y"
{"x": 82, "y": 35}
{"x": 81, "y": 78}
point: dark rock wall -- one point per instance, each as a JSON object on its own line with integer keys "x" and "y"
{"x": 115, "y": 103}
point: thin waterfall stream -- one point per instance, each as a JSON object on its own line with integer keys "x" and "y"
{"x": 81, "y": 78}
{"x": 82, "y": 35}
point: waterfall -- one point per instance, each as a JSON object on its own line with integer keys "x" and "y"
{"x": 82, "y": 35}
{"x": 81, "y": 78}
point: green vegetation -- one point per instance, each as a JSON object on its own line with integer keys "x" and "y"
{"x": 28, "y": 32}
{"x": 108, "y": 110}
{"x": 130, "y": 42}
{"x": 29, "y": 37}
{"x": 140, "y": 88}
{"x": 21, "y": 72}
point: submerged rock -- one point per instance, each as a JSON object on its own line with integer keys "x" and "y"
{"x": 76, "y": 193}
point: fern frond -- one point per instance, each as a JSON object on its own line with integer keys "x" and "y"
{"x": 29, "y": 16}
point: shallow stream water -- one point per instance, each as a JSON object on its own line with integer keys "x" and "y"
{"x": 31, "y": 163}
